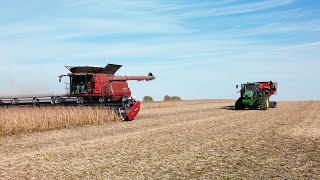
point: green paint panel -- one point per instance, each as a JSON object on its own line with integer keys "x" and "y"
{"x": 246, "y": 101}
{"x": 248, "y": 94}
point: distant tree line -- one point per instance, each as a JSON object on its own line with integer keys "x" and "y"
{"x": 166, "y": 98}
{"x": 147, "y": 99}
{"x": 171, "y": 98}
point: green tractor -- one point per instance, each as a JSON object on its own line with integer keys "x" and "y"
{"x": 256, "y": 96}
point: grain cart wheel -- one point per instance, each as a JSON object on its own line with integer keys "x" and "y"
{"x": 273, "y": 104}
{"x": 239, "y": 105}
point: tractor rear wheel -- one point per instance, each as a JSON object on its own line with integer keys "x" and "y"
{"x": 239, "y": 105}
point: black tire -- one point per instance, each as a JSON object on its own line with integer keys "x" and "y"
{"x": 273, "y": 104}
{"x": 238, "y": 105}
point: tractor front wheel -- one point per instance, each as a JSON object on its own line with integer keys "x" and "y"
{"x": 239, "y": 105}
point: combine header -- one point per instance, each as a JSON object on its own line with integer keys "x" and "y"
{"x": 256, "y": 95}
{"x": 91, "y": 86}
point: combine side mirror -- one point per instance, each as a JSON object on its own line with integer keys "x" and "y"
{"x": 237, "y": 86}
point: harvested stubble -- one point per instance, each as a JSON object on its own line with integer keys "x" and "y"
{"x": 208, "y": 141}
{"x": 18, "y": 120}
{"x": 162, "y": 104}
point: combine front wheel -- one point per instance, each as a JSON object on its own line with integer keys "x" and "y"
{"x": 123, "y": 113}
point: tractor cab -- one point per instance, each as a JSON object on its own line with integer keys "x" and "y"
{"x": 251, "y": 87}
{"x": 250, "y": 90}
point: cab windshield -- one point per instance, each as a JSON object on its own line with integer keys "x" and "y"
{"x": 251, "y": 87}
{"x": 81, "y": 84}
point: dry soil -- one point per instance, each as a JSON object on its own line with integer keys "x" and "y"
{"x": 202, "y": 141}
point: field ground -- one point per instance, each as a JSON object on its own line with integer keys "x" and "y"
{"x": 199, "y": 141}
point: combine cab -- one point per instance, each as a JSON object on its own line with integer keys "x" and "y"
{"x": 256, "y": 96}
{"x": 90, "y": 86}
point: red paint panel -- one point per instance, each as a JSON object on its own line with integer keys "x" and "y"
{"x": 118, "y": 89}
{"x": 97, "y": 84}
{"x": 101, "y": 82}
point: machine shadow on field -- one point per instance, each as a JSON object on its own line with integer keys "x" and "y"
{"x": 232, "y": 108}
{"x": 229, "y": 108}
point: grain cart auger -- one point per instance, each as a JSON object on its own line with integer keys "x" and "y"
{"x": 90, "y": 86}
{"x": 256, "y": 95}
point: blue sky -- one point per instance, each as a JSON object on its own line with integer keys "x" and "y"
{"x": 197, "y": 49}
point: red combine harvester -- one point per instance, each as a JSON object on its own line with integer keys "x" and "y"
{"x": 91, "y": 86}
{"x": 256, "y": 95}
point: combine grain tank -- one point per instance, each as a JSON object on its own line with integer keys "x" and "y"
{"x": 90, "y": 86}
